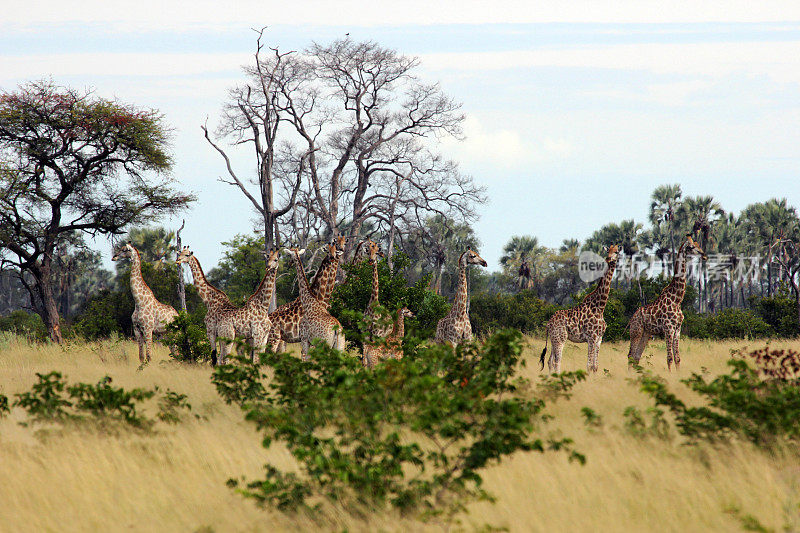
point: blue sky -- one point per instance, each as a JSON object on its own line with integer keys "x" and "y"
{"x": 575, "y": 111}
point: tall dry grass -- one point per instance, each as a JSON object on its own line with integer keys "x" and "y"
{"x": 174, "y": 479}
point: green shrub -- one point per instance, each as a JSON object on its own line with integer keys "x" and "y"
{"x": 522, "y": 311}
{"x": 779, "y": 311}
{"x": 736, "y": 403}
{"x": 52, "y": 400}
{"x": 414, "y": 434}
{"x": 188, "y": 341}
{"x": 4, "y": 410}
{"x": 735, "y": 323}
{"x": 350, "y": 299}
{"x": 25, "y": 324}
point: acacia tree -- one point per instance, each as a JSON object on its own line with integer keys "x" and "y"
{"x": 73, "y": 162}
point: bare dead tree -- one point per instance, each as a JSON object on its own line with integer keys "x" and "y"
{"x": 253, "y": 116}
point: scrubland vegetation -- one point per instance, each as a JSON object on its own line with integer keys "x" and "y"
{"x": 639, "y": 473}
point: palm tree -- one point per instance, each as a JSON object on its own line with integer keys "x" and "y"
{"x": 521, "y": 256}
{"x": 699, "y": 215}
{"x": 569, "y": 245}
{"x": 665, "y": 201}
{"x": 763, "y": 223}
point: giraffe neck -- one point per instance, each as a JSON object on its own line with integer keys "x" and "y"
{"x": 677, "y": 287}
{"x": 323, "y": 283}
{"x": 373, "y": 299}
{"x": 263, "y": 293}
{"x": 399, "y": 329}
{"x": 306, "y": 299}
{"x": 598, "y": 298}
{"x": 141, "y": 292}
{"x": 210, "y": 295}
{"x": 460, "y": 303}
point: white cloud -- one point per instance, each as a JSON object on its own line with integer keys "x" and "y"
{"x": 503, "y": 147}
{"x": 778, "y": 60}
{"x": 159, "y": 14}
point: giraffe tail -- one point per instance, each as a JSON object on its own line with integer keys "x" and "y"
{"x": 541, "y": 357}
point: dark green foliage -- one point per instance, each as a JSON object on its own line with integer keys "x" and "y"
{"x": 413, "y": 434}
{"x": 737, "y": 403}
{"x": 591, "y": 418}
{"x": 4, "y": 410}
{"x": 188, "y": 340}
{"x": 241, "y": 268}
{"x": 52, "y": 400}
{"x": 350, "y": 299}
{"x": 172, "y": 406}
{"x": 45, "y": 402}
{"x": 102, "y": 400}
{"x": 522, "y": 311}
{"x": 25, "y": 324}
{"x": 779, "y": 311}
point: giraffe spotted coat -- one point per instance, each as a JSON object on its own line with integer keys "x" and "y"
{"x": 149, "y": 316}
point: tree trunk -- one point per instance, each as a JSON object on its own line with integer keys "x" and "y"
{"x": 48, "y": 309}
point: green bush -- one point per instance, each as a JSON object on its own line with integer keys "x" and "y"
{"x": 25, "y": 324}
{"x": 735, "y": 323}
{"x": 188, "y": 341}
{"x": 414, "y": 434}
{"x": 51, "y": 399}
{"x": 350, "y": 299}
{"x": 522, "y": 311}
{"x": 737, "y": 403}
{"x": 779, "y": 311}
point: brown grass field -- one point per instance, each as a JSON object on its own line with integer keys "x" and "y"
{"x": 174, "y": 478}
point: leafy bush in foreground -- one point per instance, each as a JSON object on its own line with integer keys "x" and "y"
{"x": 51, "y": 399}
{"x": 414, "y": 433}
{"x": 737, "y": 403}
{"x": 187, "y": 340}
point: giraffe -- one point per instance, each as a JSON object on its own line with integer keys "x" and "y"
{"x": 251, "y": 320}
{"x": 316, "y": 322}
{"x": 286, "y": 318}
{"x": 217, "y": 304}
{"x": 583, "y": 323}
{"x": 455, "y": 328}
{"x": 379, "y": 325}
{"x": 664, "y": 317}
{"x": 150, "y": 316}
{"x": 392, "y": 346}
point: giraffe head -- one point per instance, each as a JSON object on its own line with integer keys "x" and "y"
{"x": 183, "y": 256}
{"x": 335, "y": 250}
{"x": 125, "y": 251}
{"x": 405, "y": 312}
{"x": 272, "y": 257}
{"x": 613, "y": 253}
{"x": 470, "y": 257}
{"x": 373, "y": 250}
{"x": 690, "y": 247}
{"x": 341, "y": 243}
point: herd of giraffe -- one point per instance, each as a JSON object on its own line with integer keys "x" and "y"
{"x": 307, "y": 318}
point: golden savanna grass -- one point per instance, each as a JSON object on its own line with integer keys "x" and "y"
{"x": 174, "y": 478}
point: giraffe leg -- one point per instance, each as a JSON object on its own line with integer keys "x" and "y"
{"x": 594, "y": 350}
{"x": 554, "y": 363}
{"x": 140, "y": 341}
{"x": 669, "y": 337}
{"x": 675, "y": 351}
{"x": 148, "y": 337}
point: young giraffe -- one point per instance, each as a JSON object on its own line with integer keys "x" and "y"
{"x": 150, "y": 316}
{"x": 286, "y": 318}
{"x": 455, "y": 327}
{"x": 379, "y": 325}
{"x": 217, "y": 303}
{"x": 392, "y": 346}
{"x": 664, "y": 317}
{"x": 251, "y": 320}
{"x": 583, "y": 323}
{"x": 316, "y": 322}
